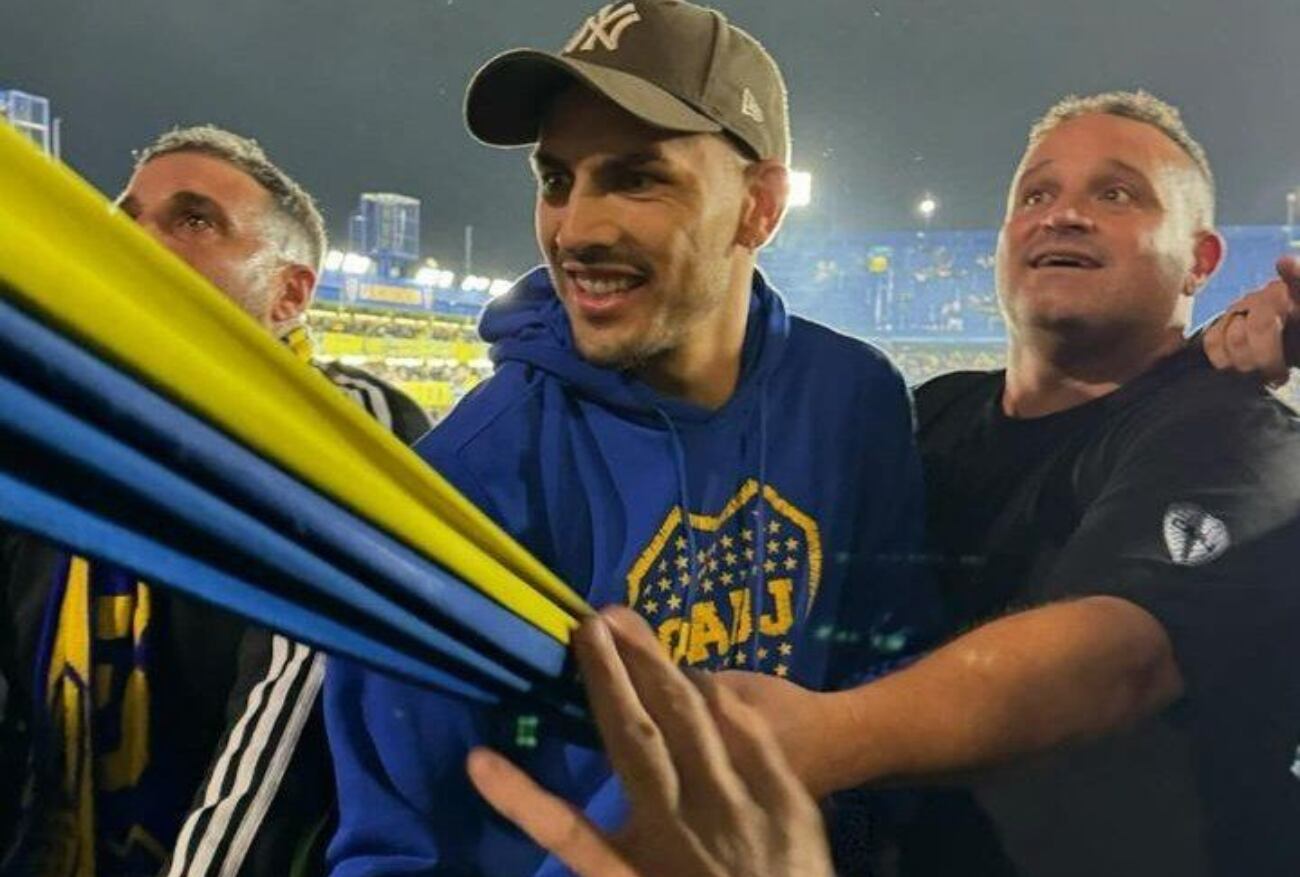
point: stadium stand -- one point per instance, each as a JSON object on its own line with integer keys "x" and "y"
{"x": 925, "y": 297}
{"x": 436, "y": 359}
{"x": 928, "y": 297}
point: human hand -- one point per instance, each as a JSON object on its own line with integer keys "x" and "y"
{"x": 802, "y": 721}
{"x": 711, "y": 794}
{"x": 1260, "y": 332}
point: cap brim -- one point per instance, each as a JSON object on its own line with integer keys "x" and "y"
{"x": 508, "y": 97}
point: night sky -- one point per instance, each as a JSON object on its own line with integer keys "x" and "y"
{"x": 888, "y": 99}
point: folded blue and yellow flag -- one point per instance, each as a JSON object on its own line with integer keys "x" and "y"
{"x": 146, "y": 420}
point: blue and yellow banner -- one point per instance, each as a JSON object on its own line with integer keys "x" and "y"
{"x": 96, "y": 278}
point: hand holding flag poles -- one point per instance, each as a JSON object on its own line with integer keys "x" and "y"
{"x": 146, "y": 420}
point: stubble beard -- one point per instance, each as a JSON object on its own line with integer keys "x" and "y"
{"x": 669, "y": 328}
{"x": 633, "y": 353}
{"x": 258, "y": 279}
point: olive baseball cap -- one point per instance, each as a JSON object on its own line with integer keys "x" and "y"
{"x": 673, "y": 64}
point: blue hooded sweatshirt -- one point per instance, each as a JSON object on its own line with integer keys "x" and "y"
{"x": 772, "y": 534}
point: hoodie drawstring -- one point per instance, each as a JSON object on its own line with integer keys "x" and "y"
{"x": 684, "y": 497}
{"x": 758, "y": 584}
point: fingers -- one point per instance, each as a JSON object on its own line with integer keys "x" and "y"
{"x": 753, "y": 749}
{"x": 1288, "y": 268}
{"x": 552, "y": 823}
{"x": 708, "y": 807}
{"x": 1225, "y": 342}
{"x": 1214, "y": 342}
{"x": 635, "y": 746}
{"x": 1236, "y": 342}
{"x": 1260, "y": 333}
{"x": 794, "y": 835}
{"x": 678, "y": 709}
{"x": 1253, "y": 341}
{"x": 1264, "y": 334}
{"x": 1249, "y": 338}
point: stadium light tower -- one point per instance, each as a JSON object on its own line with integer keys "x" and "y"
{"x": 800, "y": 189}
{"x": 30, "y": 115}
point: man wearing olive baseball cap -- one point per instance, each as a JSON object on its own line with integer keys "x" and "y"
{"x": 659, "y": 431}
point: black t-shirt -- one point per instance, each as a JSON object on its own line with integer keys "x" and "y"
{"x": 1181, "y": 493}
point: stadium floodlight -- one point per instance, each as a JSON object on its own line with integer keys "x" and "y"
{"x": 355, "y": 263}
{"x": 333, "y": 260}
{"x": 499, "y": 287}
{"x": 800, "y": 189}
{"x": 927, "y": 206}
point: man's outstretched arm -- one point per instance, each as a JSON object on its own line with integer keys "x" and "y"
{"x": 710, "y": 792}
{"x": 1025, "y": 683}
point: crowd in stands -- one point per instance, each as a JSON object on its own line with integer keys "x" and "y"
{"x": 435, "y": 359}
{"x": 920, "y": 361}
{"x": 392, "y": 325}
{"x": 904, "y": 284}
{"x": 927, "y": 298}
{"x": 940, "y": 284}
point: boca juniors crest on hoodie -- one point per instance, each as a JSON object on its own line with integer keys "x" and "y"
{"x": 720, "y": 590}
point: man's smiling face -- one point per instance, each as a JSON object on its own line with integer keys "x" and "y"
{"x": 1100, "y": 228}
{"x": 638, "y": 226}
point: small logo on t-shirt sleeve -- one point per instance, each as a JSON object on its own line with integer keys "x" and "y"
{"x": 1193, "y": 535}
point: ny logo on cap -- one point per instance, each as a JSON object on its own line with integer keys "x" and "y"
{"x": 605, "y": 27}
{"x": 749, "y": 106}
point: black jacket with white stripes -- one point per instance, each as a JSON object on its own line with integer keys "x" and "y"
{"x": 238, "y": 704}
